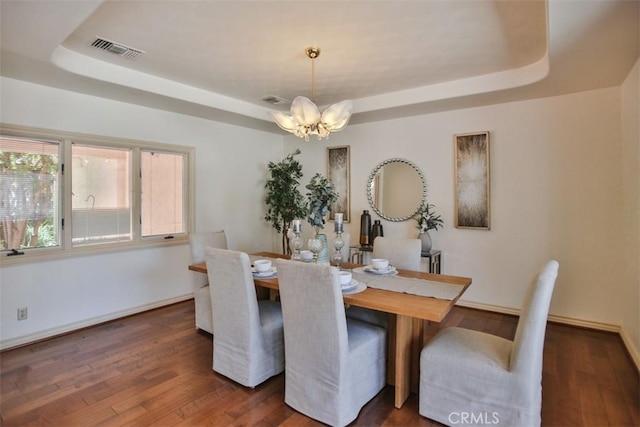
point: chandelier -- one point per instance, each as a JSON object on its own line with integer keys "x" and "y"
{"x": 305, "y": 118}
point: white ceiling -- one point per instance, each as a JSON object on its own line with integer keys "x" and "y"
{"x": 218, "y": 59}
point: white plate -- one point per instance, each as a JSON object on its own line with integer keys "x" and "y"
{"x": 358, "y": 288}
{"x": 270, "y": 273}
{"x": 389, "y": 271}
{"x": 350, "y": 286}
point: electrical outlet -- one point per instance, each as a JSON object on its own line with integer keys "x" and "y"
{"x": 22, "y": 313}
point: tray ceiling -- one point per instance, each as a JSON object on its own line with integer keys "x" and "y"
{"x": 219, "y": 59}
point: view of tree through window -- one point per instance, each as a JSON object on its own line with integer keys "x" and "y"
{"x": 29, "y": 195}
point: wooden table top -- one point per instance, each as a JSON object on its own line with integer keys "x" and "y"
{"x": 415, "y": 306}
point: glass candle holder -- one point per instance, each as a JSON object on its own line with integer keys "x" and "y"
{"x": 315, "y": 246}
{"x": 338, "y": 244}
{"x": 296, "y": 243}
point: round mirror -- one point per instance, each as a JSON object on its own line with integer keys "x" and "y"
{"x": 396, "y": 189}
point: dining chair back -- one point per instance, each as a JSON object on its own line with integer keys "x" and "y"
{"x": 200, "y": 282}
{"x": 334, "y": 365}
{"x": 404, "y": 254}
{"x": 499, "y": 380}
{"x": 247, "y": 333}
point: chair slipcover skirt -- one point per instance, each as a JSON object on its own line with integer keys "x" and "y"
{"x": 479, "y": 361}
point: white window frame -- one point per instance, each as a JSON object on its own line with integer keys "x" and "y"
{"x": 185, "y": 195}
{"x": 66, "y": 249}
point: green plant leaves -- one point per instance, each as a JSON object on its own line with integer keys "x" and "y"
{"x": 321, "y": 196}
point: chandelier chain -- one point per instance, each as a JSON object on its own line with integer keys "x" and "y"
{"x": 313, "y": 79}
{"x": 313, "y": 52}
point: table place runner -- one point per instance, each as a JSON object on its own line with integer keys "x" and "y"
{"x": 410, "y": 285}
{"x": 395, "y": 283}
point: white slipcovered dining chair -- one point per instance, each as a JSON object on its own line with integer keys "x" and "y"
{"x": 487, "y": 377}
{"x": 334, "y": 365}
{"x": 247, "y": 334}
{"x": 404, "y": 254}
{"x": 201, "y": 295}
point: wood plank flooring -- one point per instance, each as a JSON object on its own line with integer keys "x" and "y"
{"x": 154, "y": 368}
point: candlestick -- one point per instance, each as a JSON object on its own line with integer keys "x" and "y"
{"x": 338, "y": 243}
{"x": 339, "y": 219}
{"x": 296, "y": 242}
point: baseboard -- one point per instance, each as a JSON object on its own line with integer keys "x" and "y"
{"x": 488, "y": 307}
{"x": 607, "y": 327}
{"x": 633, "y": 351}
{"x": 48, "y": 333}
{"x": 557, "y": 319}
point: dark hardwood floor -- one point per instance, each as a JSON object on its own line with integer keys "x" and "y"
{"x": 154, "y": 368}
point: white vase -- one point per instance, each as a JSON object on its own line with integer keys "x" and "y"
{"x": 426, "y": 241}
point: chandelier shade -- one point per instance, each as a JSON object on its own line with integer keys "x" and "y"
{"x": 306, "y": 119}
{"x": 337, "y": 116}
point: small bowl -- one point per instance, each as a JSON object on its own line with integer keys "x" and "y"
{"x": 306, "y": 255}
{"x": 262, "y": 265}
{"x": 345, "y": 277}
{"x": 380, "y": 263}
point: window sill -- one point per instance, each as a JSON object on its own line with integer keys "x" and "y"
{"x": 51, "y": 254}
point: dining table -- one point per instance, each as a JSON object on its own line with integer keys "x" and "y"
{"x": 406, "y": 314}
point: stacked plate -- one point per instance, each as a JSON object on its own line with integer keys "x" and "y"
{"x": 265, "y": 274}
{"x": 389, "y": 271}
{"x": 350, "y": 286}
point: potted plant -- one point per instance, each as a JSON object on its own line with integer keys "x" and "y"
{"x": 284, "y": 200}
{"x": 427, "y": 220}
{"x": 321, "y": 196}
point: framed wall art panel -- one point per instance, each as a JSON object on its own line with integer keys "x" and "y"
{"x": 338, "y": 173}
{"x": 471, "y": 165}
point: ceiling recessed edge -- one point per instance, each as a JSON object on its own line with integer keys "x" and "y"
{"x": 83, "y": 65}
{"x": 487, "y": 83}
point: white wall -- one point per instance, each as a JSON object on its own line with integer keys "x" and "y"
{"x": 630, "y": 289}
{"x": 230, "y": 174}
{"x": 559, "y": 189}
{"x": 556, "y": 193}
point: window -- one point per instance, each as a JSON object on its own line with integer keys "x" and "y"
{"x": 113, "y": 192}
{"x": 29, "y": 193}
{"x": 162, "y": 193}
{"x": 100, "y": 195}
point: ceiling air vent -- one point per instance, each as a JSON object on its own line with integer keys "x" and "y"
{"x": 116, "y": 48}
{"x": 275, "y": 100}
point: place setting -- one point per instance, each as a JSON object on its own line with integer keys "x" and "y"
{"x": 378, "y": 266}
{"x": 349, "y": 284}
{"x": 264, "y": 269}
{"x": 306, "y": 256}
